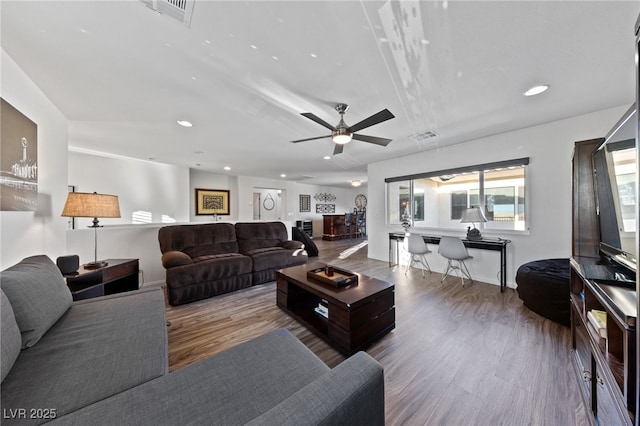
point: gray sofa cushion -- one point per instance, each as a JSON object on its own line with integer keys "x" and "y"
{"x": 230, "y": 388}
{"x": 11, "y": 341}
{"x": 38, "y": 294}
{"x": 350, "y": 394}
{"x": 99, "y": 348}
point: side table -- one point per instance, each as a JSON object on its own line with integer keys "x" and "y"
{"x": 118, "y": 276}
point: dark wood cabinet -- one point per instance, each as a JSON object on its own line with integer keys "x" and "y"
{"x": 605, "y": 366}
{"x": 118, "y": 276}
{"x": 340, "y": 226}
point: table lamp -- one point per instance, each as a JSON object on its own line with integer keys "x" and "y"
{"x": 473, "y": 215}
{"x": 82, "y": 204}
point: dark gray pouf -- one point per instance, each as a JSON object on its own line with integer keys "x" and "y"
{"x": 543, "y": 286}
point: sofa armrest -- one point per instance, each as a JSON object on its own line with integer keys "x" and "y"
{"x": 175, "y": 258}
{"x": 291, "y": 245}
{"x": 351, "y": 393}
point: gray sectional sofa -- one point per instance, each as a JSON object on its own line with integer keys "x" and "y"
{"x": 103, "y": 361}
{"x": 208, "y": 259}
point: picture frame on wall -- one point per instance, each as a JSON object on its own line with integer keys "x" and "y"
{"x": 212, "y": 202}
{"x": 305, "y": 203}
{"x": 18, "y": 160}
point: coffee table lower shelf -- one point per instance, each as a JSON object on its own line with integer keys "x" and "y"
{"x": 349, "y": 328}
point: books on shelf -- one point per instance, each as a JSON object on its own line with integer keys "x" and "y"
{"x": 598, "y": 320}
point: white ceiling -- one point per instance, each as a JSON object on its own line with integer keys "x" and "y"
{"x": 123, "y": 75}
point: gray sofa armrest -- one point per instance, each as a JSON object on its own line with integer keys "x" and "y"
{"x": 350, "y": 394}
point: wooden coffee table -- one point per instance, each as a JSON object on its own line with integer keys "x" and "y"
{"x": 358, "y": 314}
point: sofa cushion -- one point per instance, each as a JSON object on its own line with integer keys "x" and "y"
{"x": 199, "y": 240}
{"x": 100, "y": 347}
{"x": 38, "y": 294}
{"x": 230, "y": 388}
{"x": 10, "y": 339}
{"x": 209, "y": 268}
{"x": 257, "y": 235}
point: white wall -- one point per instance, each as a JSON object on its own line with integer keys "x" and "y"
{"x": 28, "y": 233}
{"x": 344, "y": 202}
{"x": 141, "y": 186}
{"x": 549, "y": 148}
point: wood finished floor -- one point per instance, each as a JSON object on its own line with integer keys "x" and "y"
{"x": 458, "y": 356}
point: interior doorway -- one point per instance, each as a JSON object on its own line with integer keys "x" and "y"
{"x": 269, "y": 204}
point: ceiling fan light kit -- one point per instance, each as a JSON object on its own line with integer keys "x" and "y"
{"x": 342, "y": 134}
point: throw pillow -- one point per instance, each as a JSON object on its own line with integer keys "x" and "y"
{"x": 10, "y": 339}
{"x": 38, "y": 294}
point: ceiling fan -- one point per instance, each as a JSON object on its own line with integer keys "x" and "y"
{"x": 342, "y": 134}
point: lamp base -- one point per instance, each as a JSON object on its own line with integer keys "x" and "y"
{"x": 95, "y": 265}
{"x": 474, "y": 234}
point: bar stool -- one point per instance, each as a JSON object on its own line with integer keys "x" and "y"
{"x": 348, "y": 221}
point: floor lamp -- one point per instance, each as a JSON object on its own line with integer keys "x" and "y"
{"x": 83, "y": 204}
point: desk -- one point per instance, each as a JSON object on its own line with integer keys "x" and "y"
{"x": 484, "y": 244}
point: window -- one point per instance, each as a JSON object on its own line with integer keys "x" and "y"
{"x": 438, "y": 199}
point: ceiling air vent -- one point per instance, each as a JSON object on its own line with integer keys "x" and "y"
{"x": 176, "y": 9}
{"x": 424, "y": 135}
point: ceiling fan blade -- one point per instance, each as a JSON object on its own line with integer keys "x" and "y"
{"x": 338, "y": 149}
{"x": 372, "y": 139}
{"x": 318, "y": 120}
{"x": 383, "y": 115}
{"x": 310, "y": 139}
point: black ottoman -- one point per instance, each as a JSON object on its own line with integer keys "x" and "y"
{"x": 543, "y": 286}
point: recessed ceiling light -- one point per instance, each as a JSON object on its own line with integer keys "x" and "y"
{"x": 227, "y": 168}
{"x": 536, "y": 90}
{"x": 424, "y": 41}
{"x": 254, "y": 47}
{"x": 327, "y": 157}
{"x": 313, "y": 55}
{"x": 275, "y": 58}
{"x": 283, "y": 175}
{"x": 185, "y": 123}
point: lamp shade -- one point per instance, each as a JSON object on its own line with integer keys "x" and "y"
{"x": 472, "y": 215}
{"x": 83, "y": 204}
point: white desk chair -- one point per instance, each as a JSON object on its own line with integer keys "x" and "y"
{"x": 453, "y": 249}
{"x": 417, "y": 249}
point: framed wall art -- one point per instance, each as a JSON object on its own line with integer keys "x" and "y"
{"x": 305, "y": 203}
{"x": 212, "y": 201}
{"x": 18, "y": 160}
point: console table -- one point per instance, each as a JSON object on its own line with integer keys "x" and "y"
{"x": 395, "y": 238}
{"x": 118, "y": 276}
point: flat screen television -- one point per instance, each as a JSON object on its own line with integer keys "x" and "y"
{"x": 616, "y": 179}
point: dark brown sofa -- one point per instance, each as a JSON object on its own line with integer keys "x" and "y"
{"x": 205, "y": 260}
